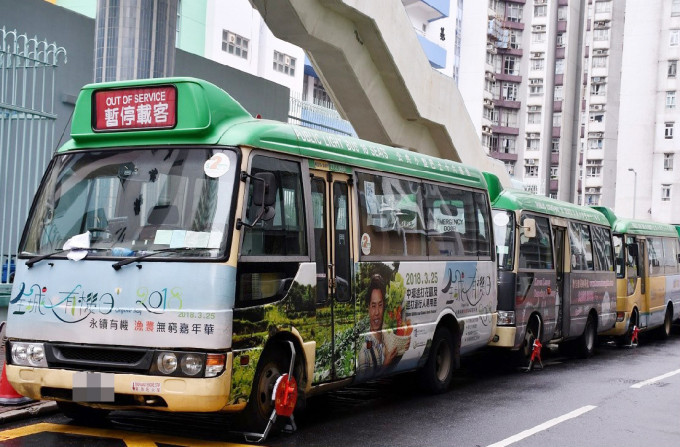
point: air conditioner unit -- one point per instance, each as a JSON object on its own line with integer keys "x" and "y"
{"x": 595, "y": 135}
{"x": 534, "y": 108}
{"x": 231, "y": 38}
{"x": 600, "y": 24}
{"x": 591, "y": 190}
{"x": 600, "y": 52}
{"x": 538, "y": 28}
{"x": 537, "y": 55}
{"x": 530, "y": 162}
{"x": 596, "y": 107}
{"x": 597, "y": 79}
{"x": 286, "y": 60}
{"x": 487, "y": 102}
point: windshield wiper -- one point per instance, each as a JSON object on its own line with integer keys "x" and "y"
{"x": 120, "y": 264}
{"x": 39, "y": 258}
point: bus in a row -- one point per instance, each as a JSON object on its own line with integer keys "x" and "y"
{"x": 181, "y": 255}
{"x": 647, "y": 257}
{"x": 556, "y": 279}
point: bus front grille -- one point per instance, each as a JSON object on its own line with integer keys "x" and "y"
{"x": 98, "y": 358}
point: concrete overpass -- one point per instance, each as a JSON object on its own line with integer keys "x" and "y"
{"x": 371, "y": 63}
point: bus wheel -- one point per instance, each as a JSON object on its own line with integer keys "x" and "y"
{"x": 524, "y": 353}
{"x": 260, "y": 405}
{"x": 436, "y": 375}
{"x": 82, "y": 414}
{"x": 586, "y": 343}
{"x": 665, "y": 330}
{"x": 626, "y": 339}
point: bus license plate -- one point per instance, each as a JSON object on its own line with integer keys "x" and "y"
{"x": 93, "y": 387}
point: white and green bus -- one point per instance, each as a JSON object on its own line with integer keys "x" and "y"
{"x": 179, "y": 251}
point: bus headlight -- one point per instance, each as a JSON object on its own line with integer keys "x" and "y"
{"x": 192, "y": 364}
{"x": 506, "y": 318}
{"x": 28, "y": 354}
{"x": 167, "y": 362}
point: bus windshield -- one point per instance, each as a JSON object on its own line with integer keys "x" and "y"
{"x": 503, "y": 226}
{"x": 136, "y": 201}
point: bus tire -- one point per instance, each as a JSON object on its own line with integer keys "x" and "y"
{"x": 435, "y": 376}
{"x": 82, "y": 414}
{"x": 271, "y": 366}
{"x": 530, "y": 334}
{"x": 585, "y": 345}
{"x": 665, "y": 329}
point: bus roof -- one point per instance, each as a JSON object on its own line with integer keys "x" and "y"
{"x": 204, "y": 114}
{"x": 514, "y": 199}
{"x": 636, "y": 226}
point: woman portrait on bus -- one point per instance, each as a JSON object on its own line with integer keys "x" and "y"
{"x": 375, "y": 356}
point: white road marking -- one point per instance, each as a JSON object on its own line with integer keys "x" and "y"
{"x": 544, "y": 426}
{"x": 656, "y": 379}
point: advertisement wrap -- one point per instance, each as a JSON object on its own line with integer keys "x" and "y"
{"x": 161, "y": 304}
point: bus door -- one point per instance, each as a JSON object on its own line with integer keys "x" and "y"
{"x": 645, "y": 292}
{"x": 335, "y": 350}
{"x": 559, "y": 233}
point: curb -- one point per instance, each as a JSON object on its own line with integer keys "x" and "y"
{"x": 32, "y": 410}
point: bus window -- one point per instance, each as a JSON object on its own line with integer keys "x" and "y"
{"x": 284, "y": 234}
{"x": 504, "y": 234}
{"x": 536, "y": 252}
{"x": 483, "y": 231}
{"x": 391, "y": 216}
{"x": 581, "y": 247}
{"x": 619, "y": 255}
{"x": 655, "y": 254}
{"x": 272, "y": 249}
{"x": 603, "y": 249}
{"x": 670, "y": 250}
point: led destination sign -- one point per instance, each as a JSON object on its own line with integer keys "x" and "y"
{"x": 135, "y": 108}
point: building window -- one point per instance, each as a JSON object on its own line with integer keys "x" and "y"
{"x": 540, "y": 10}
{"x": 535, "y": 87}
{"x": 593, "y": 196}
{"x": 538, "y": 36}
{"x": 284, "y": 63}
{"x": 559, "y": 66}
{"x": 674, "y": 37}
{"x": 559, "y": 42}
{"x": 537, "y": 64}
{"x": 603, "y": 7}
{"x": 509, "y": 118}
{"x": 668, "y": 130}
{"x": 594, "y": 168}
{"x": 557, "y": 119}
{"x": 555, "y": 146}
{"x": 562, "y": 13}
{"x": 509, "y": 91}
{"x": 511, "y": 66}
{"x": 675, "y": 8}
{"x": 531, "y": 170}
{"x": 598, "y": 89}
{"x": 599, "y": 61}
{"x": 533, "y": 144}
{"x": 534, "y": 118}
{"x": 596, "y": 117}
{"x": 554, "y": 172}
{"x": 667, "y": 162}
{"x": 665, "y": 193}
{"x": 601, "y": 34}
{"x": 507, "y": 144}
{"x": 515, "y": 39}
{"x": 595, "y": 144}
{"x": 672, "y": 68}
{"x": 514, "y": 13}
{"x": 510, "y": 167}
{"x": 559, "y": 93}
{"x": 670, "y": 99}
{"x": 235, "y": 44}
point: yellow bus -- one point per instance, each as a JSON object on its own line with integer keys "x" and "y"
{"x": 648, "y": 276}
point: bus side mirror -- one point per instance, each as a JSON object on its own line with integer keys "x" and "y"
{"x": 633, "y": 250}
{"x": 678, "y": 258}
{"x": 264, "y": 189}
{"x": 264, "y": 197}
{"x": 529, "y": 226}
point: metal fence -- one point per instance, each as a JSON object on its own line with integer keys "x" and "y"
{"x": 318, "y": 116}
{"x": 27, "y": 120}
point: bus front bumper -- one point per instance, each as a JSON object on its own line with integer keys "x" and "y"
{"x": 132, "y": 391}
{"x": 505, "y": 337}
